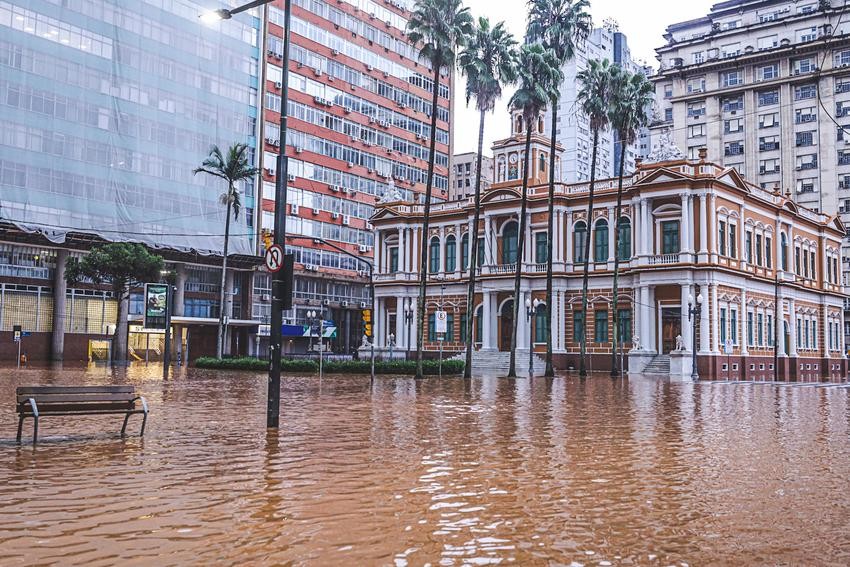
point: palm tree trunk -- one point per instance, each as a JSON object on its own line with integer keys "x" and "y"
{"x": 550, "y": 233}
{"x": 520, "y": 249}
{"x": 614, "y": 303}
{"x": 221, "y": 302}
{"x": 122, "y": 325}
{"x": 582, "y": 367}
{"x": 426, "y": 221}
{"x": 473, "y": 254}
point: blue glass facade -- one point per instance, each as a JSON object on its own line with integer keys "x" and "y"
{"x": 107, "y": 106}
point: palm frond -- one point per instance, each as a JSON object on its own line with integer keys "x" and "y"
{"x": 488, "y": 61}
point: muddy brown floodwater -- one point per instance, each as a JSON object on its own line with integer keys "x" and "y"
{"x": 439, "y": 472}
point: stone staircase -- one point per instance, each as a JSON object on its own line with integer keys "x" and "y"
{"x": 659, "y": 365}
{"x": 499, "y": 362}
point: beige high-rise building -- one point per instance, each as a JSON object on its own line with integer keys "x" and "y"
{"x": 462, "y": 175}
{"x": 765, "y": 87}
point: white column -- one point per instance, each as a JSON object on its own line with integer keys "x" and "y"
{"x": 841, "y": 336}
{"x": 521, "y": 323}
{"x": 442, "y": 249}
{"x": 637, "y": 226}
{"x": 471, "y": 239}
{"x": 652, "y": 317}
{"x": 568, "y": 249}
{"x": 488, "y": 239}
{"x": 780, "y": 328}
{"x": 557, "y": 237}
{"x": 399, "y": 323}
{"x": 528, "y": 257}
{"x": 686, "y": 324}
{"x": 377, "y": 319}
{"x": 744, "y": 337}
{"x": 612, "y": 227}
{"x": 712, "y": 213}
{"x": 705, "y": 338}
{"x": 487, "y": 321}
{"x": 691, "y": 226}
{"x": 645, "y": 319}
{"x": 685, "y": 229}
{"x": 703, "y": 228}
{"x": 792, "y": 327}
{"x": 560, "y": 316}
{"x": 715, "y": 319}
{"x": 458, "y": 249}
{"x": 401, "y": 254}
{"x": 647, "y": 233}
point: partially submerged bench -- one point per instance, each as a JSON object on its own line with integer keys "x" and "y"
{"x": 39, "y": 401}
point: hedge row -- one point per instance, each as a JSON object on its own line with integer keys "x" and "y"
{"x": 429, "y": 367}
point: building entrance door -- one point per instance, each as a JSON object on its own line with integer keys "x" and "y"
{"x": 671, "y": 327}
{"x": 506, "y": 326}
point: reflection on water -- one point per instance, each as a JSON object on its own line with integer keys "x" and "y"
{"x": 446, "y": 472}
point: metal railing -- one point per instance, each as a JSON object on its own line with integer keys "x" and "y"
{"x": 660, "y": 259}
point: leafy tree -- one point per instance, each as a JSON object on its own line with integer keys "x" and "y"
{"x": 124, "y": 266}
{"x": 438, "y": 28}
{"x": 594, "y": 96}
{"x": 233, "y": 169}
{"x": 539, "y": 75}
{"x": 559, "y": 25}
{"x": 488, "y": 61}
{"x": 630, "y": 109}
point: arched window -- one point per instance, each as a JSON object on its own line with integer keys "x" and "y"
{"x": 542, "y": 162}
{"x": 541, "y": 324}
{"x": 624, "y": 242}
{"x": 600, "y": 241}
{"x": 434, "y": 256}
{"x": 579, "y": 241}
{"x": 451, "y": 253}
{"x": 464, "y": 252}
{"x": 784, "y": 252}
{"x": 480, "y": 255}
{"x": 509, "y": 243}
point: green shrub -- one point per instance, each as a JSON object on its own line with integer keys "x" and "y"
{"x": 248, "y": 363}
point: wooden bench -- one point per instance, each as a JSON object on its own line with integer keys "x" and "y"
{"x": 39, "y": 401}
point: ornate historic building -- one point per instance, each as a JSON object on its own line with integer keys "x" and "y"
{"x": 762, "y": 266}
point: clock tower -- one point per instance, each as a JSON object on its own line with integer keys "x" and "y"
{"x": 509, "y": 155}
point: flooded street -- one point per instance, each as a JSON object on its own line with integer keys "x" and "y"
{"x": 440, "y": 472}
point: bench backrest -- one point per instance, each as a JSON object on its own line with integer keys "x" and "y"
{"x": 74, "y": 395}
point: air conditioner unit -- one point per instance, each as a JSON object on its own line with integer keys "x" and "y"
{"x": 370, "y": 170}
{"x": 278, "y": 55}
{"x": 334, "y": 216}
{"x": 298, "y": 149}
{"x": 385, "y": 124}
{"x": 363, "y": 248}
{"x": 343, "y": 188}
{"x": 317, "y": 72}
{"x": 291, "y": 177}
{"x": 278, "y": 85}
{"x": 361, "y": 273}
{"x": 346, "y": 220}
{"x": 333, "y": 188}
{"x": 389, "y": 150}
{"x": 352, "y": 192}
{"x": 402, "y": 106}
{"x": 330, "y": 103}
{"x": 316, "y": 211}
{"x": 270, "y": 170}
{"x": 293, "y": 208}
{"x": 347, "y": 109}
{"x": 326, "y": 302}
{"x": 386, "y": 74}
{"x": 401, "y": 179}
{"x": 344, "y": 304}
{"x": 350, "y": 164}
{"x": 335, "y": 51}
{"x": 362, "y": 305}
{"x": 369, "y": 68}
{"x": 276, "y": 143}
{"x": 265, "y": 297}
{"x": 372, "y": 120}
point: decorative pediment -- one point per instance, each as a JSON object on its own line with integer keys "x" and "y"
{"x": 501, "y": 194}
{"x": 660, "y": 175}
{"x": 732, "y": 178}
{"x": 791, "y": 206}
{"x": 837, "y": 224}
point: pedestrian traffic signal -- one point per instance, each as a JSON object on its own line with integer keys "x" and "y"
{"x": 366, "y": 319}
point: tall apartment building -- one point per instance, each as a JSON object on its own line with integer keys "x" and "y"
{"x": 359, "y": 118}
{"x": 106, "y": 107}
{"x": 573, "y": 131}
{"x": 765, "y": 87}
{"x": 463, "y": 175}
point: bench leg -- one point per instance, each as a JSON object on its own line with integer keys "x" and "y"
{"x": 144, "y": 422}
{"x": 35, "y": 430}
{"x": 124, "y": 427}
{"x": 20, "y": 427}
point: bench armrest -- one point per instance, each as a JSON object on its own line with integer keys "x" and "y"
{"x": 34, "y": 407}
{"x": 144, "y": 403}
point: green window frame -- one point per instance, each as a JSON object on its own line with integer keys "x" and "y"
{"x": 578, "y": 326}
{"x": 600, "y": 326}
{"x": 541, "y": 325}
{"x": 733, "y": 325}
{"x": 394, "y": 259}
{"x": 624, "y": 239}
{"x": 722, "y": 326}
{"x": 624, "y": 325}
{"x": 480, "y": 255}
{"x": 451, "y": 253}
{"x": 768, "y": 251}
{"x": 784, "y": 246}
{"x": 748, "y": 247}
{"x": 432, "y": 328}
{"x": 464, "y": 318}
{"x": 670, "y": 237}
{"x": 579, "y": 241}
{"x": 721, "y": 237}
{"x": 434, "y": 256}
{"x": 749, "y": 328}
{"x": 541, "y": 247}
{"x": 478, "y": 324}
{"x": 733, "y": 240}
{"x": 510, "y": 242}
{"x": 450, "y": 328}
{"x": 760, "y": 329}
{"x": 464, "y": 251}
{"x": 600, "y": 241}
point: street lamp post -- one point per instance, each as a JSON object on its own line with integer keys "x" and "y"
{"x": 531, "y": 314}
{"x": 311, "y": 319}
{"x": 408, "y": 318}
{"x": 693, "y": 317}
{"x": 281, "y": 177}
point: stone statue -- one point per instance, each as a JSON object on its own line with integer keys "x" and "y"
{"x": 664, "y": 150}
{"x": 680, "y": 343}
{"x": 391, "y": 195}
{"x": 635, "y": 342}
{"x": 391, "y": 340}
{"x": 365, "y": 342}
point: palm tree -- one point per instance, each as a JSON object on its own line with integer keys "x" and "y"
{"x": 438, "y": 28}
{"x": 539, "y": 75}
{"x": 489, "y": 61}
{"x": 233, "y": 169}
{"x": 630, "y": 109}
{"x": 560, "y": 25}
{"x": 594, "y": 86}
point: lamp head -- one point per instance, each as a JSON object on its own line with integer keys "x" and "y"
{"x": 214, "y": 16}
{"x": 699, "y": 298}
{"x": 690, "y": 299}
{"x": 536, "y": 303}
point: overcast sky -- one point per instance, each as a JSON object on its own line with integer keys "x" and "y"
{"x": 643, "y": 22}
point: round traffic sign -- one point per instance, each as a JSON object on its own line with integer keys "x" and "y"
{"x": 274, "y": 257}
